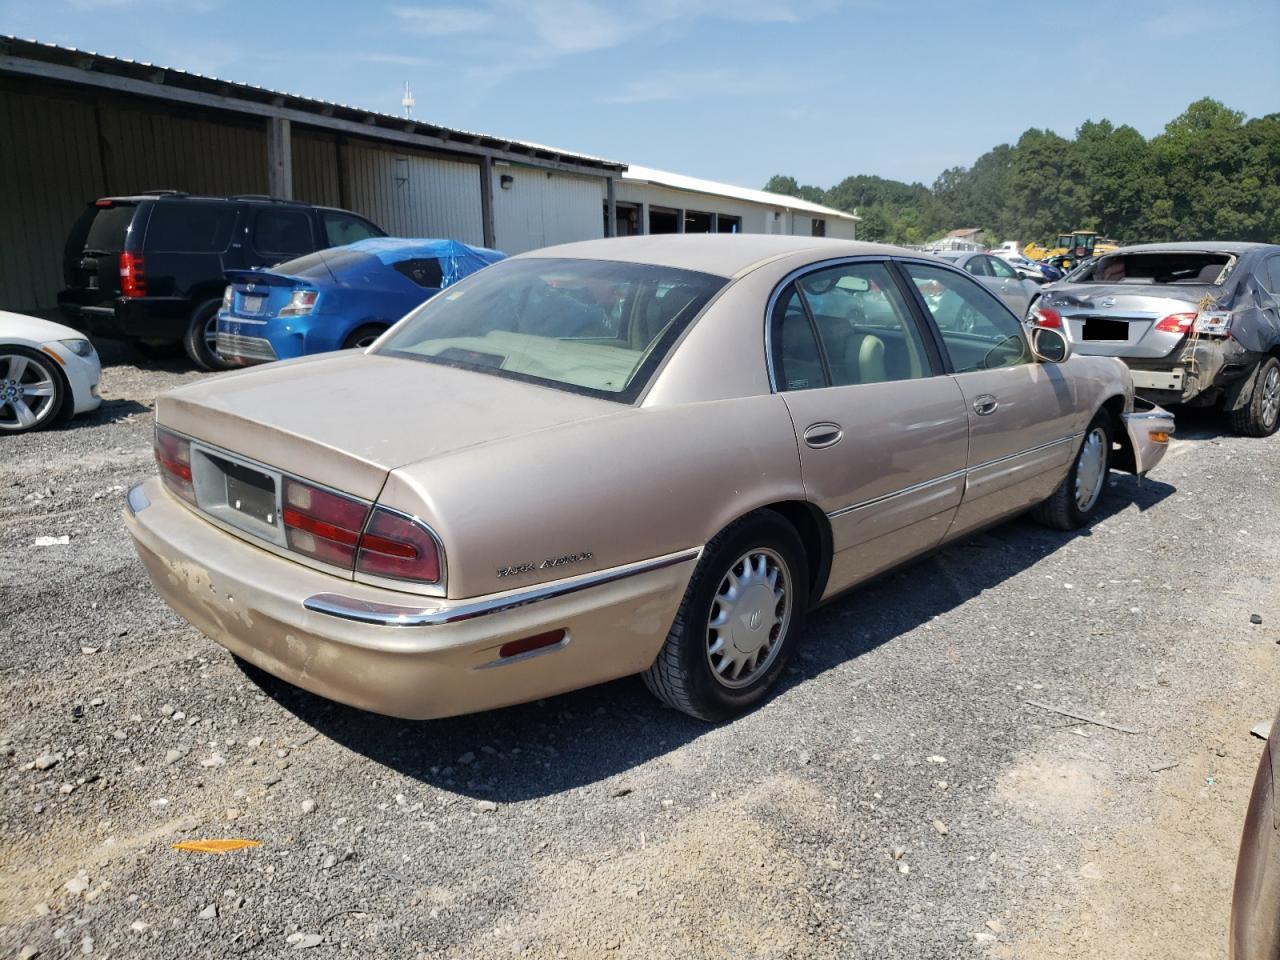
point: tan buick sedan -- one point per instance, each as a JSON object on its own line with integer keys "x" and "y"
{"x": 649, "y": 455}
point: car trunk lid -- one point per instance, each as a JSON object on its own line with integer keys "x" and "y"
{"x": 1119, "y": 320}
{"x": 347, "y": 420}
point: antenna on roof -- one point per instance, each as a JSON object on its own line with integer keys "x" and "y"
{"x": 407, "y": 100}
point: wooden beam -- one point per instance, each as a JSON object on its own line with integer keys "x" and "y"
{"x": 486, "y": 203}
{"x": 279, "y": 158}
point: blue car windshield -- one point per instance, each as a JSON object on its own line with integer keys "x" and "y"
{"x": 595, "y": 327}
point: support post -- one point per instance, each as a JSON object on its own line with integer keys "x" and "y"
{"x": 611, "y": 202}
{"x": 643, "y": 226}
{"x": 486, "y": 202}
{"x": 279, "y": 158}
{"x": 679, "y": 221}
{"x": 715, "y": 222}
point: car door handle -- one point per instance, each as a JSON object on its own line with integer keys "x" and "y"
{"x": 985, "y": 405}
{"x": 821, "y": 435}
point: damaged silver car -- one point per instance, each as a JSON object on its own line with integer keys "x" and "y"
{"x": 1197, "y": 323}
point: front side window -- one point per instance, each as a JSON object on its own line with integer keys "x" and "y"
{"x": 978, "y": 330}
{"x": 861, "y": 321}
{"x": 977, "y": 266}
{"x": 342, "y": 228}
{"x": 595, "y": 327}
{"x": 1001, "y": 269}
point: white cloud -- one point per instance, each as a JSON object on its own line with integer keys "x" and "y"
{"x": 443, "y": 21}
{"x": 683, "y": 84}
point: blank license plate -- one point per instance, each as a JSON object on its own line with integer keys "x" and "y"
{"x": 1106, "y": 329}
{"x": 251, "y": 492}
{"x": 251, "y": 303}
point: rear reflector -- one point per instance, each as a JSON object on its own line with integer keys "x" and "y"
{"x": 1159, "y": 436}
{"x": 1176, "y": 323}
{"x": 398, "y": 547}
{"x": 321, "y": 524}
{"x": 529, "y": 644}
{"x": 173, "y": 456}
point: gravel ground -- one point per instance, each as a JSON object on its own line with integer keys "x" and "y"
{"x": 899, "y": 797}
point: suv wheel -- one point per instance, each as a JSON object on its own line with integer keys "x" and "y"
{"x": 1260, "y": 415}
{"x": 201, "y": 339}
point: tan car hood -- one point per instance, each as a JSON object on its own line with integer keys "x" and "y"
{"x": 346, "y": 420}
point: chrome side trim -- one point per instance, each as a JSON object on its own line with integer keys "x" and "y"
{"x": 949, "y": 476}
{"x": 897, "y": 493}
{"x": 136, "y": 499}
{"x": 393, "y": 615}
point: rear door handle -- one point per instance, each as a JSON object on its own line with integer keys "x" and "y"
{"x": 985, "y": 405}
{"x": 821, "y": 435}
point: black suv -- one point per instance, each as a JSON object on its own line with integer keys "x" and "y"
{"x": 149, "y": 268}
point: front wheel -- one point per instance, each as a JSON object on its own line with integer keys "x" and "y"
{"x": 737, "y": 622}
{"x": 31, "y": 390}
{"x": 1260, "y": 415}
{"x": 1076, "y": 500}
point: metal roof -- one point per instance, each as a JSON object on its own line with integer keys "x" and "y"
{"x": 52, "y": 62}
{"x": 679, "y": 181}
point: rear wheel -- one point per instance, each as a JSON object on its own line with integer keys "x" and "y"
{"x": 31, "y": 390}
{"x": 201, "y": 339}
{"x": 1260, "y": 416}
{"x": 363, "y": 336}
{"x": 1076, "y": 500}
{"x": 737, "y": 622}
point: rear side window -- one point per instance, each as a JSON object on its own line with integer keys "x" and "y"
{"x": 425, "y": 272}
{"x": 109, "y": 228}
{"x": 342, "y": 228}
{"x": 1271, "y": 276}
{"x": 282, "y": 232}
{"x": 798, "y": 364}
{"x": 190, "y": 227}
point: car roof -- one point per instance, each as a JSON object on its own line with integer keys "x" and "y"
{"x": 721, "y": 254}
{"x": 1207, "y": 246}
{"x": 172, "y": 195}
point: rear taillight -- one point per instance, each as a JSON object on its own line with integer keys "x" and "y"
{"x": 322, "y": 524}
{"x": 1046, "y": 317}
{"x": 398, "y": 547}
{"x": 173, "y": 456}
{"x": 301, "y": 303}
{"x": 1215, "y": 323}
{"x": 1176, "y": 323}
{"x": 133, "y": 279}
{"x": 226, "y": 300}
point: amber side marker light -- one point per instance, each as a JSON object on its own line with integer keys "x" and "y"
{"x": 529, "y": 644}
{"x": 1159, "y": 436}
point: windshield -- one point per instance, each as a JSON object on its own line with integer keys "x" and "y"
{"x": 109, "y": 227}
{"x": 590, "y": 326}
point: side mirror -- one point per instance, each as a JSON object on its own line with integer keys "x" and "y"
{"x": 1050, "y": 345}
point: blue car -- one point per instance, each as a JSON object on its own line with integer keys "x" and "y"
{"x": 338, "y": 298}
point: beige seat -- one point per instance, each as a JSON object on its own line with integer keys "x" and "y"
{"x": 864, "y": 357}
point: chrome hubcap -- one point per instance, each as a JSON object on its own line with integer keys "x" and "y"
{"x": 211, "y": 334}
{"x": 749, "y": 617}
{"x": 26, "y": 392}
{"x": 1271, "y": 396}
{"x": 1091, "y": 469}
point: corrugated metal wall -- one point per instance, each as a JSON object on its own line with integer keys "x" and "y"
{"x": 315, "y": 168}
{"x": 541, "y": 208}
{"x": 413, "y": 195}
{"x": 157, "y": 150}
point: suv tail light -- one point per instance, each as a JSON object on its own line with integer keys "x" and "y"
{"x": 398, "y": 547}
{"x": 301, "y": 303}
{"x": 1176, "y": 323}
{"x": 133, "y": 279}
{"x": 322, "y": 524}
{"x": 1046, "y": 317}
{"x": 173, "y": 456}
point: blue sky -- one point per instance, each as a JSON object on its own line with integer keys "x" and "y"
{"x": 732, "y": 91}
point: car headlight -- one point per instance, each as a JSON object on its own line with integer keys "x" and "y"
{"x": 81, "y": 348}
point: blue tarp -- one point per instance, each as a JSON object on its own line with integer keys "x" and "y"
{"x": 457, "y": 260}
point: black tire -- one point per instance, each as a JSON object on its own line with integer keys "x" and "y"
{"x": 23, "y": 370}
{"x": 363, "y": 335}
{"x": 158, "y": 349}
{"x": 683, "y": 676}
{"x": 198, "y": 340}
{"x": 1063, "y": 510}
{"x": 1260, "y": 415}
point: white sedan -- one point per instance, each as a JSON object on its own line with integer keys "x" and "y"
{"x": 47, "y": 372}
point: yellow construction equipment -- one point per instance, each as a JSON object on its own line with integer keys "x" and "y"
{"x": 1071, "y": 248}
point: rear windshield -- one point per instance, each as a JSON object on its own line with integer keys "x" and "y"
{"x": 323, "y": 264}
{"x": 108, "y": 229}
{"x": 594, "y": 327}
{"x": 1158, "y": 268}
{"x": 190, "y": 226}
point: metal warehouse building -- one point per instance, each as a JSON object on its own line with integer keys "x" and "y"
{"x": 75, "y": 126}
